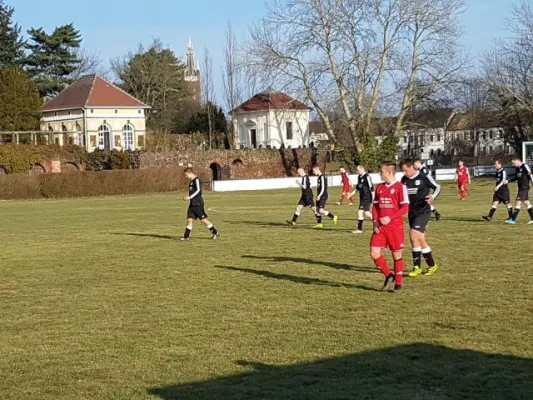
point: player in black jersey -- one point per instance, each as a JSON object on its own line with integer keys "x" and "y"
{"x": 196, "y": 206}
{"x": 523, "y": 177}
{"x": 419, "y": 188}
{"x": 306, "y": 200}
{"x": 366, "y": 190}
{"x": 425, "y": 171}
{"x": 322, "y": 198}
{"x": 501, "y": 192}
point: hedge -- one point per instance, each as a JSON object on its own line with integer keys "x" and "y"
{"x": 87, "y": 184}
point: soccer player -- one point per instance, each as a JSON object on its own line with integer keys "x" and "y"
{"x": 523, "y": 177}
{"x": 462, "y": 177}
{"x": 196, "y": 206}
{"x": 322, "y": 198}
{"x": 419, "y": 187}
{"x": 346, "y": 187}
{"x": 391, "y": 203}
{"x": 501, "y": 192}
{"x": 425, "y": 171}
{"x": 365, "y": 189}
{"x": 306, "y": 200}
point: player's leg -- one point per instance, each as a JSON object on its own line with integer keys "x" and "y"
{"x": 435, "y": 212}
{"x": 296, "y": 215}
{"x": 318, "y": 213}
{"x": 379, "y": 260}
{"x": 350, "y": 197}
{"x": 211, "y": 227}
{"x": 527, "y": 203}
{"x": 517, "y": 207}
{"x": 399, "y": 267}
{"x": 188, "y": 228}
{"x": 360, "y": 220}
{"x": 491, "y": 211}
{"x": 414, "y": 236}
{"x": 325, "y": 212}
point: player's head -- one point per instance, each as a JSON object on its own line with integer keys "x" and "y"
{"x": 517, "y": 161}
{"x": 387, "y": 171}
{"x": 498, "y": 164}
{"x": 342, "y": 170}
{"x": 408, "y": 168}
{"x": 301, "y": 172}
{"x": 461, "y": 163}
{"x": 189, "y": 173}
{"x": 418, "y": 164}
{"x": 361, "y": 169}
{"x": 316, "y": 170}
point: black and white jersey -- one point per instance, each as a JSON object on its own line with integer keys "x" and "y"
{"x": 365, "y": 186}
{"x": 418, "y": 188}
{"x": 501, "y": 177}
{"x": 195, "y": 192}
{"x": 322, "y": 188}
{"x": 305, "y": 184}
{"x": 523, "y": 177}
{"x": 424, "y": 171}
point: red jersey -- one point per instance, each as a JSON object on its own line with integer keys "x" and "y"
{"x": 345, "y": 179}
{"x": 389, "y": 199}
{"x": 462, "y": 174}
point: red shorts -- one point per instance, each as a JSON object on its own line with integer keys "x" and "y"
{"x": 391, "y": 238}
{"x": 346, "y": 189}
{"x": 462, "y": 183}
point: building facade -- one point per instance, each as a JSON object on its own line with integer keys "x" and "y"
{"x": 95, "y": 114}
{"x": 271, "y": 120}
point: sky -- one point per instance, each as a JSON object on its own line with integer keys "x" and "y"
{"x": 111, "y": 28}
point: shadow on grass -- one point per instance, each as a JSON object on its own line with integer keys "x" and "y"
{"x": 464, "y": 219}
{"x": 328, "y": 264}
{"x": 414, "y": 371}
{"x": 298, "y": 279}
{"x": 158, "y": 236}
{"x": 283, "y": 224}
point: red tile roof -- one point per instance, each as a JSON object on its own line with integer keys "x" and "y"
{"x": 92, "y": 91}
{"x": 316, "y": 127}
{"x": 270, "y": 101}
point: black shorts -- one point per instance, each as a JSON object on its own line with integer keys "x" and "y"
{"x": 322, "y": 202}
{"x": 365, "y": 203}
{"x": 501, "y": 197}
{"x": 196, "y": 212}
{"x": 418, "y": 222}
{"x": 523, "y": 195}
{"x": 306, "y": 201}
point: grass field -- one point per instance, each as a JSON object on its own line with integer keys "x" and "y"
{"x": 99, "y": 301}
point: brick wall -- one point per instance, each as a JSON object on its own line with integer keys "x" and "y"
{"x": 235, "y": 164}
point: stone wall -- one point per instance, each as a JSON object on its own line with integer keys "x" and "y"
{"x": 236, "y": 164}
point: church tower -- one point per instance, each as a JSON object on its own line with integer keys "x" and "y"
{"x": 192, "y": 73}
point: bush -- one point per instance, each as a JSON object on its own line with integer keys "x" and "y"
{"x": 19, "y": 158}
{"x": 87, "y": 184}
{"x": 105, "y": 160}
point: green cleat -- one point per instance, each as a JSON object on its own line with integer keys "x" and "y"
{"x": 415, "y": 272}
{"x": 335, "y": 220}
{"x": 291, "y": 223}
{"x": 318, "y": 226}
{"x": 431, "y": 270}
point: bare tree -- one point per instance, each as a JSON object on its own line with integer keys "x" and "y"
{"x": 90, "y": 63}
{"x": 208, "y": 91}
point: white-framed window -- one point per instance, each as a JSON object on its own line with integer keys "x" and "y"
{"x": 288, "y": 129}
{"x": 103, "y": 132}
{"x": 127, "y": 137}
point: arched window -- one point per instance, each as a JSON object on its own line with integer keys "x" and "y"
{"x": 127, "y": 137}
{"x": 103, "y": 137}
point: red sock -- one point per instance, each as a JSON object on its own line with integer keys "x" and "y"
{"x": 398, "y": 271}
{"x": 342, "y": 199}
{"x": 381, "y": 263}
{"x": 351, "y": 200}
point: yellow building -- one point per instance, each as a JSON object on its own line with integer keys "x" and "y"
{"x": 96, "y": 114}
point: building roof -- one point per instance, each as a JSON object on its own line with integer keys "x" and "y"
{"x": 92, "y": 91}
{"x": 474, "y": 121}
{"x": 316, "y": 127}
{"x": 270, "y": 100}
{"x": 429, "y": 119}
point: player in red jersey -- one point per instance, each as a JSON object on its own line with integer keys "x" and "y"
{"x": 391, "y": 203}
{"x": 346, "y": 187}
{"x": 462, "y": 177}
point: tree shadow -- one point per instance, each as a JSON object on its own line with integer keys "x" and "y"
{"x": 408, "y": 372}
{"x": 463, "y": 219}
{"x": 156, "y": 236}
{"x": 328, "y": 264}
{"x": 298, "y": 279}
{"x": 281, "y": 224}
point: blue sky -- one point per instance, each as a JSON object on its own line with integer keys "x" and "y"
{"x": 112, "y": 27}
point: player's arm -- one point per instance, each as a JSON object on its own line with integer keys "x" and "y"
{"x": 196, "y": 190}
{"x": 504, "y": 179}
{"x": 529, "y": 173}
{"x": 404, "y": 204}
{"x": 434, "y": 186}
{"x": 375, "y": 217}
{"x": 300, "y": 184}
{"x": 322, "y": 187}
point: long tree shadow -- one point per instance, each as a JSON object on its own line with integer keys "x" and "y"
{"x": 148, "y": 235}
{"x": 464, "y": 219}
{"x": 329, "y": 264}
{"x": 408, "y": 372}
{"x": 282, "y": 224}
{"x": 298, "y": 279}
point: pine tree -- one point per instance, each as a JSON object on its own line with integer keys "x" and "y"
{"x": 11, "y": 43}
{"x": 53, "y": 58}
{"x": 20, "y": 103}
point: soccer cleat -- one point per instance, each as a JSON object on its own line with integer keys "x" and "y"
{"x": 216, "y": 236}
{"x": 338, "y": 203}
{"x": 397, "y": 289}
{"x": 530, "y": 222}
{"x": 510, "y": 222}
{"x": 431, "y": 270}
{"x": 417, "y": 271}
{"x": 437, "y": 216}
{"x": 184, "y": 239}
{"x": 319, "y": 226}
{"x": 357, "y": 232}
{"x": 291, "y": 223}
{"x": 351, "y": 204}
{"x": 335, "y": 220}
{"x": 487, "y": 218}
{"x": 388, "y": 281}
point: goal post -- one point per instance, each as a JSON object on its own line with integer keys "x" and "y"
{"x": 527, "y": 152}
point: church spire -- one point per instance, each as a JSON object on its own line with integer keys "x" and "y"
{"x": 191, "y": 70}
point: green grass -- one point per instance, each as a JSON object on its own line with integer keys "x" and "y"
{"x": 98, "y": 301}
